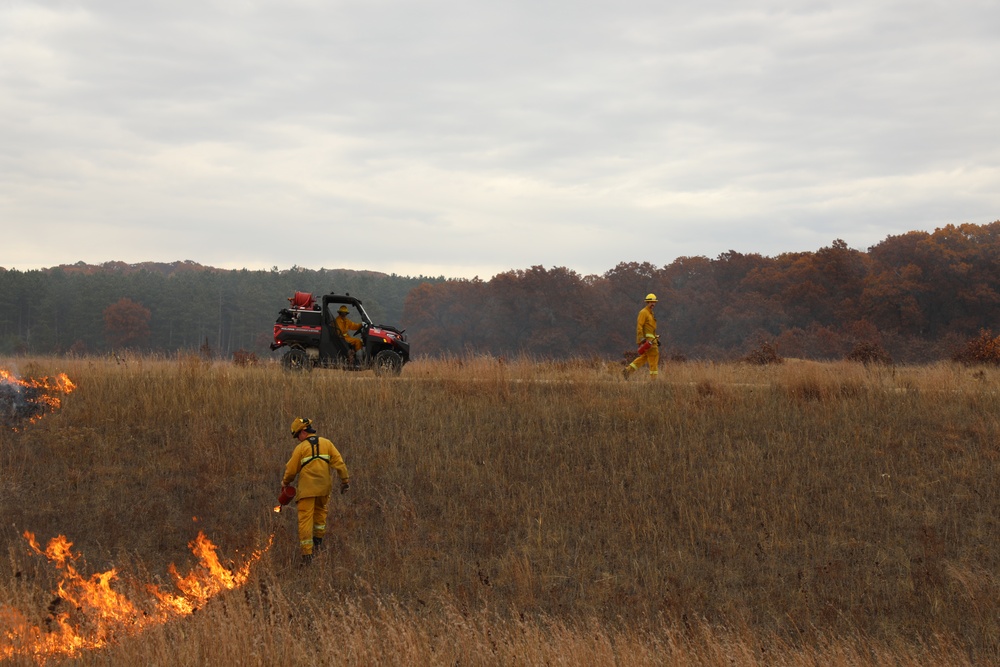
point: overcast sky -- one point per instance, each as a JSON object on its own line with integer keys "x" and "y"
{"x": 464, "y": 138}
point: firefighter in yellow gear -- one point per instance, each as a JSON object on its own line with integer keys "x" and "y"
{"x": 345, "y": 326}
{"x": 645, "y": 332}
{"x": 313, "y": 461}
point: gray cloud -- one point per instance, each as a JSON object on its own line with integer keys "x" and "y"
{"x": 465, "y": 138}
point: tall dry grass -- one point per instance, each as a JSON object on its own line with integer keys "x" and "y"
{"x": 515, "y": 511}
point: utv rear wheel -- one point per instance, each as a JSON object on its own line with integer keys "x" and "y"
{"x": 296, "y": 359}
{"x": 388, "y": 362}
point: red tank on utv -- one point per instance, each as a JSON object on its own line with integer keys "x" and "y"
{"x": 308, "y": 331}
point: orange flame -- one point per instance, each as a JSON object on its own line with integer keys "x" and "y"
{"x": 96, "y": 614}
{"x": 46, "y": 388}
{"x": 60, "y": 383}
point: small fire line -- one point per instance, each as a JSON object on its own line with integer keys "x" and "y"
{"x": 86, "y": 613}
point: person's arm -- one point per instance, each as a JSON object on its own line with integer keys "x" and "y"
{"x": 291, "y": 468}
{"x": 337, "y": 463}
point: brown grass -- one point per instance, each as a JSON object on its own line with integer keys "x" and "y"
{"x": 519, "y": 512}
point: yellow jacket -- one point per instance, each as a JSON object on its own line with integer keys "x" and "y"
{"x": 646, "y": 326}
{"x": 312, "y": 461}
{"x": 345, "y": 326}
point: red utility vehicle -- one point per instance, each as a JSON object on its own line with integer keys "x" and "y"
{"x": 306, "y": 328}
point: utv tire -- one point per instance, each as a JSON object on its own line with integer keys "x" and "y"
{"x": 296, "y": 359}
{"x": 388, "y": 362}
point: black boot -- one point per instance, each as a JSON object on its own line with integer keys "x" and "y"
{"x": 307, "y": 559}
{"x": 317, "y": 544}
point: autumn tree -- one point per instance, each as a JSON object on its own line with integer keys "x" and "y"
{"x": 690, "y": 304}
{"x": 446, "y": 317}
{"x": 541, "y": 311}
{"x": 126, "y": 324}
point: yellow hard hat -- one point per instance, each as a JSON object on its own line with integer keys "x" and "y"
{"x": 342, "y": 309}
{"x": 300, "y": 423}
{"x": 651, "y": 297}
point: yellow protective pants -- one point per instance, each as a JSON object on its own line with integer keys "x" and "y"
{"x": 651, "y": 357}
{"x": 353, "y": 342}
{"x": 312, "y": 521}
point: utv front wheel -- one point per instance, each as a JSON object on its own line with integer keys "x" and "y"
{"x": 296, "y": 359}
{"x": 388, "y": 362}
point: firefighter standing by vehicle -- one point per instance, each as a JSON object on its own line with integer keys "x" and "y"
{"x": 647, "y": 340}
{"x": 313, "y": 461}
{"x": 345, "y": 326}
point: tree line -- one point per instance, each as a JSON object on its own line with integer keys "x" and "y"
{"x": 918, "y": 296}
{"x": 170, "y": 307}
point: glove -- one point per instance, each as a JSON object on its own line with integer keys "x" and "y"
{"x": 344, "y": 486}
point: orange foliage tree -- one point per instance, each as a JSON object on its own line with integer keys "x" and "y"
{"x": 126, "y": 324}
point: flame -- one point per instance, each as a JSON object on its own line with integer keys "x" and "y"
{"x": 87, "y": 613}
{"x": 60, "y": 383}
{"x": 201, "y": 585}
{"x": 29, "y": 400}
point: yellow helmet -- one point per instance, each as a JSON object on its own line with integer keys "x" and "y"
{"x": 302, "y": 423}
{"x": 342, "y": 309}
{"x": 651, "y": 297}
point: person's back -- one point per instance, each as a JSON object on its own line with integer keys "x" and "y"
{"x": 315, "y": 457}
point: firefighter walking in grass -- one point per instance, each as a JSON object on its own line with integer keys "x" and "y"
{"x": 313, "y": 460}
{"x": 647, "y": 340}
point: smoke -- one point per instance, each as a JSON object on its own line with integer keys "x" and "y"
{"x": 19, "y": 404}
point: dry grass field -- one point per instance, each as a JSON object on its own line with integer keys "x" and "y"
{"x": 511, "y": 512}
